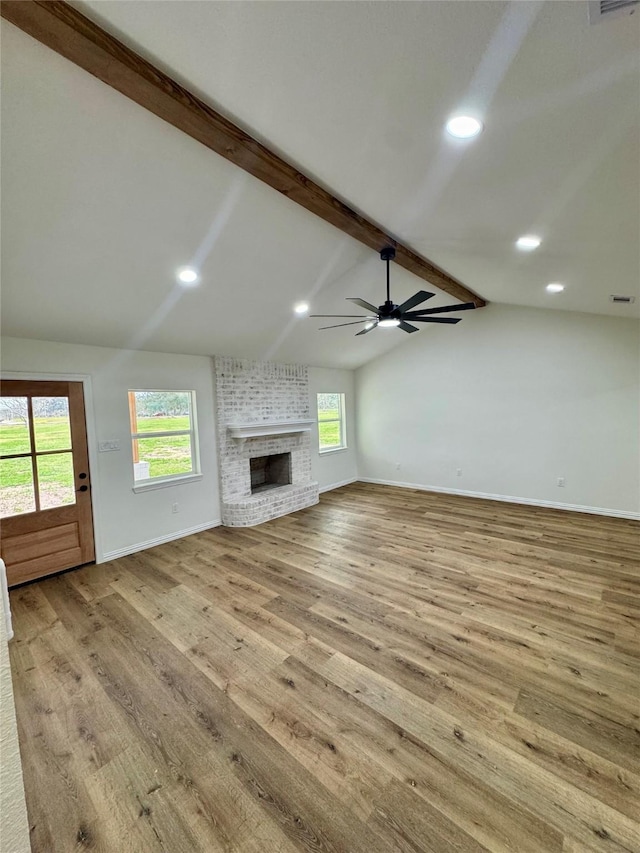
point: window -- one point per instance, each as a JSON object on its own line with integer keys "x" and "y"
{"x": 331, "y": 426}
{"x": 36, "y": 457}
{"x": 163, "y": 435}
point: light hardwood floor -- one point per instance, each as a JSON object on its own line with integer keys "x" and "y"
{"x": 391, "y": 670}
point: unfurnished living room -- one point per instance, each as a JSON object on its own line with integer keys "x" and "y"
{"x": 320, "y": 426}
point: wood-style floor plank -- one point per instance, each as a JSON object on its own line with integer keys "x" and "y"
{"x": 390, "y": 670}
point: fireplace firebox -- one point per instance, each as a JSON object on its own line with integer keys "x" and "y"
{"x": 269, "y": 472}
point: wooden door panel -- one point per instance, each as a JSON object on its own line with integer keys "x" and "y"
{"x": 35, "y": 544}
{"x": 48, "y": 564}
{"x": 27, "y": 546}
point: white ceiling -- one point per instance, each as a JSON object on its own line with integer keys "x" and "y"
{"x": 102, "y": 201}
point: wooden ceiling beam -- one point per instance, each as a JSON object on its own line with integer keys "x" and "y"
{"x": 62, "y": 28}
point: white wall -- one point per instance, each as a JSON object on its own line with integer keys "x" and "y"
{"x": 338, "y": 466}
{"x": 128, "y": 521}
{"x": 14, "y": 833}
{"x": 515, "y": 398}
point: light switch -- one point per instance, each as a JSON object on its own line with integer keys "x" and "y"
{"x": 105, "y": 446}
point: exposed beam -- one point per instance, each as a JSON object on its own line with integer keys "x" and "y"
{"x": 65, "y": 30}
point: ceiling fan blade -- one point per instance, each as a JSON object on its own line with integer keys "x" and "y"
{"x": 407, "y": 327}
{"x": 340, "y": 315}
{"x": 462, "y": 306}
{"x": 367, "y": 329}
{"x": 366, "y": 305}
{"x": 339, "y": 325}
{"x": 450, "y": 320}
{"x": 416, "y": 299}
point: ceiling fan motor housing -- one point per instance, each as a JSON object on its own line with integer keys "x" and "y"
{"x": 389, "y": 311}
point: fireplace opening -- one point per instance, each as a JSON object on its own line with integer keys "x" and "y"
{"x": 269, "y": 472}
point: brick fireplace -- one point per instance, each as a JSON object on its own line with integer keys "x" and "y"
{"x": 263, "y": 414}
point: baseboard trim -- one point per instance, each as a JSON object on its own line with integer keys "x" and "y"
{"x": 592, "y": 510}
{"x": 160, "y": 540}
{"x": 339, "y": 485}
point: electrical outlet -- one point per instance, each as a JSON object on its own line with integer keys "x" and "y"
{"x": 560, "y": 482}
{"x": 106, "y": 446}
{"x": 458, "y": 472}
{"x": 175, "y": 508}
{"x": 397, "y": 466}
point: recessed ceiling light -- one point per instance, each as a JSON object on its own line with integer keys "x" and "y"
{"x": 555, "y": 287}
{"x": 464, "y": 127}
{"x": 388, "y": 323}
{"x": 528, "y": 242}
{"x": 187, "y": 275}
{"x": 301, "y": 307}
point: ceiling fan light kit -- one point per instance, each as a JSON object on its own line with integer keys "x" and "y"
{"x": 389, "y": 315}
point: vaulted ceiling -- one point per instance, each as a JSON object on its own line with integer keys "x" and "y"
{"x": 102, "y": 201}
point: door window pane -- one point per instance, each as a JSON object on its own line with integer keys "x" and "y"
{"x": 14, "y": 426}
{"x": 16, "y": 487}
{"x": 55, "y": 480}
{"x": 164, "y": 456}
{"x": 51, "y": 423}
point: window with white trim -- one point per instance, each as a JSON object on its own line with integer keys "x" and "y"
{"x": 332, "y": 433}
{"x": 163, "y": 435}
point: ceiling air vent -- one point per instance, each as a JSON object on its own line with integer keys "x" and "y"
{"x": 622, "y": 300}
{"x": 599, "y": 10}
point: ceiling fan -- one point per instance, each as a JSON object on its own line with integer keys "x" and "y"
{"x": 389, "y": 314}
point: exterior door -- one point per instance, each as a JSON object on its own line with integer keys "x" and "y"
{"x": 45, "y": 487}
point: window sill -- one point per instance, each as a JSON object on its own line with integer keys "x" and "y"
{"x": 149, "y": 485}
{"x": 332, "y": 450}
